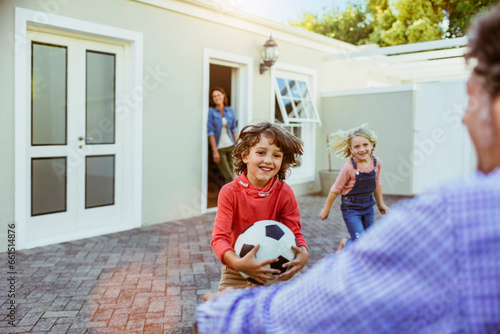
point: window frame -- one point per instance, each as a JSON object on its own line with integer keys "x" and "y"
{"x": 307, "y": 171}
{"x": 314, "y": 118}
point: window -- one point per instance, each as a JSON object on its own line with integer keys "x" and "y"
{"x": 295, "y": 102}
{"x": 295, "y": 108}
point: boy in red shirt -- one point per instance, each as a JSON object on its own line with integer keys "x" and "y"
{"x": 262, "y": 156}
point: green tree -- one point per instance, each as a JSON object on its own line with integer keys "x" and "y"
{"x": 382, "y": 20}
{"x": 349, "y": 26}
{"x": 394, "y": 22}
{"x": 414, "y": 21}
{"x": 460, "y": 12}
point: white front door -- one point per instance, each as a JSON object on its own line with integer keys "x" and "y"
{"x": 75, "y": 141}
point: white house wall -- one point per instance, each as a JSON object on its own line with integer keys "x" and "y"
{"x": 442, "y": 147}
{"x": 173, "y": 93}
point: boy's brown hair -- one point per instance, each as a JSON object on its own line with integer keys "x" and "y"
{"x": 289, "y": 144}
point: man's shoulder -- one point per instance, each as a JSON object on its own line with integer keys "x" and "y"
{"x": 469, "y": 188}
{"x": 473, "y": 182}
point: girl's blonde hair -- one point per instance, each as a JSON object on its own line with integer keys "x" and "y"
{"x": 339, "y": 142}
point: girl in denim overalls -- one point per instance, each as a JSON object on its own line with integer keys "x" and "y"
{"x": 358, "y": 181}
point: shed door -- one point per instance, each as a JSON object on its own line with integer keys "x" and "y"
{"x": 74, "y": 138}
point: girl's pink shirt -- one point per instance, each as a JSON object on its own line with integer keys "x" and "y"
{"x": 347, "y": 177}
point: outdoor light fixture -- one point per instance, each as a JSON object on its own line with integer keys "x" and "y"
{"x": 269, "y": 54}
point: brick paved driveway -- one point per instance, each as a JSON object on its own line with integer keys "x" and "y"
{"x": 146, "y": 280}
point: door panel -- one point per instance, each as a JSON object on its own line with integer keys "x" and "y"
{"x": 75, "y": 148}
{"x": 48, "y": 94}
{"x": 100, "y": 98}
{"x": 99, "y": 181}
{"x": 48, "y": 176}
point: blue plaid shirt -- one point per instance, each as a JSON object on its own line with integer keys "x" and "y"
{"x": 430, "y": 266}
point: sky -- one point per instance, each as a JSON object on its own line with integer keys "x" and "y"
{"x": 286, "y": 10}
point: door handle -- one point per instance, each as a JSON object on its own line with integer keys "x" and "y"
{"x": 84, "y": 138}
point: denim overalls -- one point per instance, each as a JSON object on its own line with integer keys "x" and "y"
{"x": 357, "y": 204}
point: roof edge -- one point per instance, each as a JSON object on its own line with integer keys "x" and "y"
{"x": 231, "y": 16}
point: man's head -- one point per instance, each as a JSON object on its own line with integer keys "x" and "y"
{"x": 484, "y": 46}
{"x": 482, "y": 116}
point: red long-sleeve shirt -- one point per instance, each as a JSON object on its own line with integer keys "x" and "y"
{"x": 240, "y": 205}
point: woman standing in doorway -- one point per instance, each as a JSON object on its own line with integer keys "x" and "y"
{"x": 222, "y": 132}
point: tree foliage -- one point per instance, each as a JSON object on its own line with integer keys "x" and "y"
{"x": 350, "y": 26}
{"x": 395, "y": 22}
{"x": 460, "y": 13}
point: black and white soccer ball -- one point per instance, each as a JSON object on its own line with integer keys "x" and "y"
{"x": 275, "y": 240}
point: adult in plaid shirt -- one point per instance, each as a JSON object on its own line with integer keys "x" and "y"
{"x": 430, "y": 266}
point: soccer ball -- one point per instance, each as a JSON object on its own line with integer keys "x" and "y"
{"x": 275, "y": 240}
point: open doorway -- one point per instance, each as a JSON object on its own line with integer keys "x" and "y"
{"x": 234, "y": 73}
{"x": 220, "y": 76}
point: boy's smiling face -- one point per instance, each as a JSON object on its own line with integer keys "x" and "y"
{"x": 263, "y": 162}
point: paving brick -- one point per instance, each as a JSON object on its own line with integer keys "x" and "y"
{"x": 135, "y": 325}
{"x": 156, "y": 307}
{"x": 102, "y": 315}
{"x": 153, "y": 328}
{"x": 139, "y": 314}
{"x": 173, "y": 290}
{"x": 30, "y": 319}
{"x": 44, "y": 324}
{"x": 59, "y": 329}
{"x": 61, "y": 314}
{"x": 118, "y": 320}
{"x": 20, "y": 329}
{"x": 159, "y": 285}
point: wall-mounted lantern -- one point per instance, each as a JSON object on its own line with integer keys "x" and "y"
{"x": 268, "y": 54}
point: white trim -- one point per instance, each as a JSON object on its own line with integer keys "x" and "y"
{"x": 410, "y": 57}
{"x": 94, "y": 232}
{"x": 302, "y": 176}
{"x": 295, "y": 68}
{"x": 435, "y": 65}
{"x": 229, "y": 15}
{"x": 220, "y": 62}
{"x": 133, "y": 44}
{"x": 245, "y": 84}
{"x": 405, "y": 48}
{"x": 373, "y": 90}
